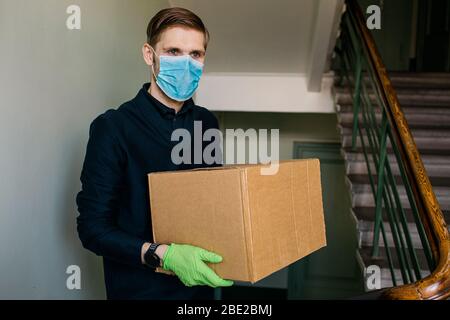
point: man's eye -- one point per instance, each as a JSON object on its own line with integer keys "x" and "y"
{"x": 195, "y": 55}
{"x": 173, "y": 51}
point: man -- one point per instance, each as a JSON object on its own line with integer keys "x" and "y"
{"x": 128, "y": 143}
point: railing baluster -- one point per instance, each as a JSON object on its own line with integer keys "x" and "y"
{"x": 398, "y": 240}
{"x": 389, "y": 257}
{"x": 379, "y": 194}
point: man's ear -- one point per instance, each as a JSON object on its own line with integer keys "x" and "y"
{"x": 147, "y": 54}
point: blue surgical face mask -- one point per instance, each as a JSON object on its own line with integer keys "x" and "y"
{"x": 178, "y": 76}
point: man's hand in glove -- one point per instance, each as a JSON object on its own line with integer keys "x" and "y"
{"x": 189, "y": 264}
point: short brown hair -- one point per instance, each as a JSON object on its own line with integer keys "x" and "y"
{"x": 174, "y": 17}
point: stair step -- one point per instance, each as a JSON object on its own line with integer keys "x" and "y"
{"x": 357, "y": 171}
{"x": 407, "y": 109}
{"x": 414, "y": 80}
{"x": 426, "y": 158}
{"x": 382, "y": 261}
{"x": 415, "y": 120}
{"x": 386, "y": 277}
{"x": 420, "y": 79}
{"x": 368, "y": 214}
{"x": 343, "y": 90}
{"x": 439, "y": 100}
{"x": 425, "y": 145}
{"x": 363, "y": 203}
{"x": 416, "y": 132}
{"x": 365, "y": 234}
{"x": 362, "y": 196}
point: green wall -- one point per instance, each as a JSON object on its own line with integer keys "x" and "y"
{"x": 306, "y": 127}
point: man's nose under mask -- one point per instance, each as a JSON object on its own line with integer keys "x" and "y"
{"x": 178, "y": 76}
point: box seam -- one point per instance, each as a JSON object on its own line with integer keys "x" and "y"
{"x": 247, "y": 224}
{"x": 150, "y": 203}
{"x": 159, "y": 269}
{"x": 309, "y": 204}
{"x": 293, "y": 210}
{"x": 324, "y": 228}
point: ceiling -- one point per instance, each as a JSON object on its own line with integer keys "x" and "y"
{"x": 261, "y": 36}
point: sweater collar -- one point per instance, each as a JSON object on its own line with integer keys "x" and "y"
{"x": 159, "y": 106}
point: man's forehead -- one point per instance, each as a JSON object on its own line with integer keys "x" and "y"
{"x": 182, "y": 38}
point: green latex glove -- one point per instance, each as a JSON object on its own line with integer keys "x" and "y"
{"x": 188, "y": 263}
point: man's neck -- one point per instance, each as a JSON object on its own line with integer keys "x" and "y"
{"x": 156, "y": 92}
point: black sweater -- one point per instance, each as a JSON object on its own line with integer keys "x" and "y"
{"x": 124, "y": 146}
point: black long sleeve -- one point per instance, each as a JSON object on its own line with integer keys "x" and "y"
{"x": 102, "y": 180}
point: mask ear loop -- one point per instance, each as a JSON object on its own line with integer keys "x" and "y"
{"x": 153, "y": 70}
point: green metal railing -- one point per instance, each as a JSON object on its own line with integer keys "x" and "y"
{"x": 377, "y": 139}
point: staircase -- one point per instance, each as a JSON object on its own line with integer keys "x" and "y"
{"x": 425, "y": 100}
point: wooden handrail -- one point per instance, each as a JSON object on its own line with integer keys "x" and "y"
{"x": 437, "y": 284}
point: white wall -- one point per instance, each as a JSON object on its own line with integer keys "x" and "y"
{"x": 269, "y": 36}
{"x": 53, "y": 82}
{"x": 262, "y": 92}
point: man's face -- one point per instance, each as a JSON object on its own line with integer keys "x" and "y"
{"x": 178, "y": 41}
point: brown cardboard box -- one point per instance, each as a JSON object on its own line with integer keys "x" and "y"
{"x": 257, "y": 223}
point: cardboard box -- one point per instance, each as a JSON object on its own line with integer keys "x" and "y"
{"x": 258, "y": 223}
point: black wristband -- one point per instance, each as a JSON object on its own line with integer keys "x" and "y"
{"x": 151, "y": 258}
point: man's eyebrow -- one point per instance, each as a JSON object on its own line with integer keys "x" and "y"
{"x": 201, "y": 51}
{"x": 171, "y": 48}
{"x": 198, "y": 51}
